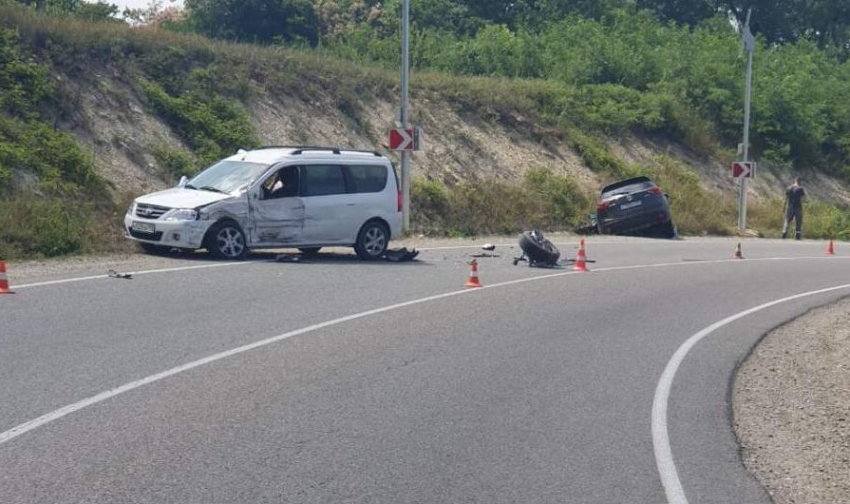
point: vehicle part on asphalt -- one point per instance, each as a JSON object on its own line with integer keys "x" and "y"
{"x": 634, "y": 207}
{"x": 114, "y": 274}
{"x": 537, "y": 250}
{"x": 484, "y": 254}
{"x": 489, "y": 247}
{"x": 588, "y": 228}
{"x": 401, "y": 255}
{"x": 288, "y": 258}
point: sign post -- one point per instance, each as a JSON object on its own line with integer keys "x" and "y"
{"x": 750, "y": 46}
{"x": 405, "y": 112}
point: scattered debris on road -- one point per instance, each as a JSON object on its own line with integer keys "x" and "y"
{"x": 114, "y": 274}
{"x": 400, "y": 255}
{"x": 288, "y": 258}
{"x": 394, "y": 255}
{"x": 487, "y": 247}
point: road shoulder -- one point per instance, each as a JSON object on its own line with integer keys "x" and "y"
{"x": 791, "y": 403}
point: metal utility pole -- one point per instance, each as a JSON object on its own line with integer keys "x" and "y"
{"x": 750, "y": 47}
{"x": 405, "y": 112}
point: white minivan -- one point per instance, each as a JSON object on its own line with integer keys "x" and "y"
{"x": 272, "y": 197}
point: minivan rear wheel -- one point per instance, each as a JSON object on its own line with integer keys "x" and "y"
{"x": 372, "y": 241}
{"x": 225, "y": 240}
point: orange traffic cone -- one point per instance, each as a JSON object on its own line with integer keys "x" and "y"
{"x": 738, "y": 254}
{"x": 4, "y": 281}
{"x": 830, "y": 249}
{"x": 472, "y": 281}
{"x": 581, "y": 258}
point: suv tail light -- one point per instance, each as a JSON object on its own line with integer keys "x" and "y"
{"x": 603, "y": 205}
{"x": 400, "y": 202}
{"x": 656, "y": 191}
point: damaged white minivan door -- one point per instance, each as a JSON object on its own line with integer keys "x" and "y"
{"x": 277, "y": 210}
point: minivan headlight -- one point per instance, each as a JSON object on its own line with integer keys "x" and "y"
{"x": 180, "y": 214}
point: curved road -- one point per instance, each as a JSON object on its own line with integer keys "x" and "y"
{"x": 335, "y": 381}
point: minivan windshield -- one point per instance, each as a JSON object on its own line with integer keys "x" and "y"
{"x": 227, "y": 176}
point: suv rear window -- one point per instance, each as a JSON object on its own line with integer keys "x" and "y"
{"x": 628, "y": 188}
{"x": 367, "y": 178}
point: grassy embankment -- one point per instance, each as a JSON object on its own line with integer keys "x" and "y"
{"x": 53, "y": 203}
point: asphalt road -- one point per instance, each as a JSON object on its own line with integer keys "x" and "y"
{"x": 538, "y": 388}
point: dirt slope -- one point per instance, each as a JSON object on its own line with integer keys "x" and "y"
{"x": 107, "y": 112}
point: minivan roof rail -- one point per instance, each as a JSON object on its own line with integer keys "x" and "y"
{"x": 300, "y": 149}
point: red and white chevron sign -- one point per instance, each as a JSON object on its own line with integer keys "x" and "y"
{"x": 745, "y": 169}
{"x": 401, "y": 139}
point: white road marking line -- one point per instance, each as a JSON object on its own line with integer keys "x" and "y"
{"x": 71, "y": 408}
{"x": 136, "y": 273}
{"x": 660, "y": 439}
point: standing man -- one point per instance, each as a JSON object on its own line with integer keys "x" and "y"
{"x": 794, "y": 208}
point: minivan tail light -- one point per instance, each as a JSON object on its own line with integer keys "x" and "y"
{"x": 400, "y": 201}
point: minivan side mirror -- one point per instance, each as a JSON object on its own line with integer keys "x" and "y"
{"x": 183, "y": 181}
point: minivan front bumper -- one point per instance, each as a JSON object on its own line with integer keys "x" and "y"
{"x": 182, "y": 234}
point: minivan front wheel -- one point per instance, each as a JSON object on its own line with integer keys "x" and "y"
{"x": 372, "y": 241}
{"x": 226, "y": 240}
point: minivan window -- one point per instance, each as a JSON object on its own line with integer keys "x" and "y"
{"x": 283, "y": 184}
{"x": 367, "y": 178}
{"x": 227, "y": 176}
{"x": 322, "y": 180}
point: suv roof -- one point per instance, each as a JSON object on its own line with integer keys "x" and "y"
{"x": 273, "y": 154}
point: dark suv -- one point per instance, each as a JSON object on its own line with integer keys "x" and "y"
{"x": 634, "y": 207}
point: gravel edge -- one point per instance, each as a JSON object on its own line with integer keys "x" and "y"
{"x": 791, "y": 408}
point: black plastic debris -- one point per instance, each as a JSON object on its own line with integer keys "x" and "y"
{"x": 114, "y": 274}
{"x": 288, "y": 258}
{"x": 401, "y": 255}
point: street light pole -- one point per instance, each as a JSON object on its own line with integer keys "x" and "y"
{"x": 405, "y": 112}
{"x": 750, "y": 46}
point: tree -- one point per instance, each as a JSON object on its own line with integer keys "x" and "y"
{"x": 825, "y": 22}
{"x": 100, "y": 11}
{"x": 264, "y": 21}
{"x": 688, "y": 12}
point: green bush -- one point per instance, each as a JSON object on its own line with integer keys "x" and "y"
{"x": 473, "y": 207}
{"x": 213, "y": 125}
{"x": 174, "y": 164}
{"x": 34, "y": 226}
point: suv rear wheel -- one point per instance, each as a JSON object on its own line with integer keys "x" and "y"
{"x": 225, "y": 240}
{"x": 372, "y": 241}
